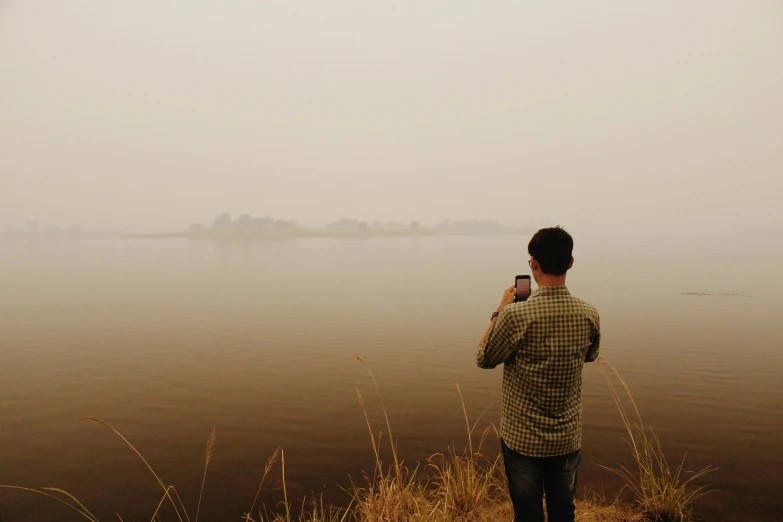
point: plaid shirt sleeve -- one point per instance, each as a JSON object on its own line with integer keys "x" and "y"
{"x": 502, "y": 342}
{"x": 592, "y": 352}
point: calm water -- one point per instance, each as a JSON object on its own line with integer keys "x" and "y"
{"x": 166, "y": 338}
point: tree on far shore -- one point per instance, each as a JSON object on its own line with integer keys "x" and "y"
{"x": 222, "y": 221}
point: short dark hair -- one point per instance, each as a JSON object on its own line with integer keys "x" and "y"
{"x": 552, "y": 248}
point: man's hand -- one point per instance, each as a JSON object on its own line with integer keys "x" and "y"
{"x": 508, "y": 297}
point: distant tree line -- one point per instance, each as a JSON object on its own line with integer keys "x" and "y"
{"x": 247, "y": 226}
{"x": 355, "y": 224}
{"x": 245, "y": 222}
{"x": 33, "y": 229}
{"x": 225, "y": 222}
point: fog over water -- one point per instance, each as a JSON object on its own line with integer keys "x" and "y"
{"x": 405, "y": 151}
{"x": 167, "y": 337}
{"x": 609, "y": 115}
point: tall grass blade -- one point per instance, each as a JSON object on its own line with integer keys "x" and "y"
{"x": 138, "y": 453}
{"x": 208, "y": 451}
{"x": 662, "y": 493}
{"x": 270, "y": 462}
{"x": 84, "y": 513}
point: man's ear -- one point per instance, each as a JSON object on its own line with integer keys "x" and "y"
{"x": 571, "y": 264}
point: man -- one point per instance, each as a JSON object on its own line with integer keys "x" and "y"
{"x": 543, "y": 344}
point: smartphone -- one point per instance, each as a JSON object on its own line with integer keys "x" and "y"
{"x": 522, "y": 283}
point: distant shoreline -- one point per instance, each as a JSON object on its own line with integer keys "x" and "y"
{"x": 232, "y": 235}
{"x": 249, "y": 228}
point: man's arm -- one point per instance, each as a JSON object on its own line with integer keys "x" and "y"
{"x": 592, "y": 352}
{"x": 501, "y": 338}
{"x": 489, "y": 330}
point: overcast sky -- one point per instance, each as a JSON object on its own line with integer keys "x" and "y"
{"x": 615, "y": 115}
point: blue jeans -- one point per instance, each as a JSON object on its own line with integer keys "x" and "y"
{"x": 530, "y": 477}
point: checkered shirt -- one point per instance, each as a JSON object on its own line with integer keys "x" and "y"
{"x": 543, "y": 343}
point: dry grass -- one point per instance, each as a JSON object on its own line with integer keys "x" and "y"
{"x": 461, "y": 486}
{"x": 662, "y": 493}
{"x": 468, "y": 483}
{"x": 393, "y": 493}
{"x": 316, "y": 512}
{"x": 208, "y": 451}
{"x": 454, "y": 486}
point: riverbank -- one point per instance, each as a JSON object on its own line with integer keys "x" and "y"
{"x": 247, "y": 227}
{"x": 461, "y": 485}
{"x": 300, "y": 233}
{"x": 451, "y": 487}
{"x": 303, "y": 233}
{"x": 587, "y": 510}
{"x": 458, "y": 485}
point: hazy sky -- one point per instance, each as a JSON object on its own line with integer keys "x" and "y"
{"x": 618, "y": 115}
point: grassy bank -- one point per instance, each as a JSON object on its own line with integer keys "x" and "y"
{"x": 458, "y": 485}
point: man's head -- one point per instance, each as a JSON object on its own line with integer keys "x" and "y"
{"x": 550, "y": 253}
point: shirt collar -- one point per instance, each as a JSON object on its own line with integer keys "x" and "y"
{"x": 550, "y": 290}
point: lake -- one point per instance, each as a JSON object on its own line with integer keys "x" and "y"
{"x": 165, "y": 338}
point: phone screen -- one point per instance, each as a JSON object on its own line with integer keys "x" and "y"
{"x": 523, "y": 289}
